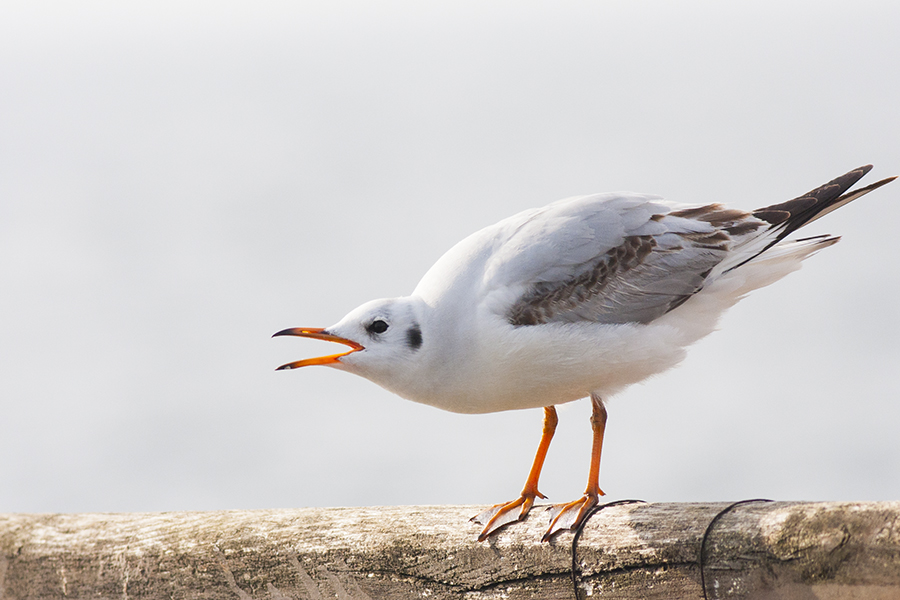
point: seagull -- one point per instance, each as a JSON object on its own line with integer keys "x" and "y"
{"x": 580, "y": 298}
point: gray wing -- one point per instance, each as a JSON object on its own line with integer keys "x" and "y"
{"x": 632, "y": 258}
{"x": 656, "y": 266}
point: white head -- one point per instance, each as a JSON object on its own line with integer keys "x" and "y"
{"x": 385, "y": 337}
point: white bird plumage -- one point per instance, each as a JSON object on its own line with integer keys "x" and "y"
{"x": 585, "y": 296}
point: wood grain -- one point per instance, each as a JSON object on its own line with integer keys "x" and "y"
{"x": 761, "y": 550}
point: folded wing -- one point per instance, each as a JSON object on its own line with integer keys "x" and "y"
{"x": 628, "y": 258}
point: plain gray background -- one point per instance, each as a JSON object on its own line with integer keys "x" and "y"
{"x": 178, "y": 181}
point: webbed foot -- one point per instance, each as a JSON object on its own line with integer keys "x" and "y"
{"x": 503, "y": 514}
{"x": 570, "y": 515}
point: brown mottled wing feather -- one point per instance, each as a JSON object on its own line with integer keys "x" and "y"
{"x": 641, "y": 279}
{"x": 565, "y": 300}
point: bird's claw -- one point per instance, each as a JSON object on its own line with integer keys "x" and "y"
{"x": 503, "y": 514}
{"x": 570, "y": 515}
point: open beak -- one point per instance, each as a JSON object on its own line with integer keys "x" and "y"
{"x": 318, "y": 334}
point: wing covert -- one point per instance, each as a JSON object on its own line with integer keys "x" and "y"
{"x": 646, "y": 261}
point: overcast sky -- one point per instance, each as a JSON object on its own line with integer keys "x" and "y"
{"x": 178, "y": 181}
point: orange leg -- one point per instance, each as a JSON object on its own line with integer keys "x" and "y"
{"x": 570, "y": 516}
{"x": 503, "y": 514}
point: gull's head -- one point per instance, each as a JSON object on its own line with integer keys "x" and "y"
{"x": 384, "y": 337}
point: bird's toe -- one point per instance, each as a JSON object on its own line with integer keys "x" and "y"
{"x": 500, "y": 515}
{"x": 569, "y": 515}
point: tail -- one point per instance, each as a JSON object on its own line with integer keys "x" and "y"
{"x": 788, "y": 217}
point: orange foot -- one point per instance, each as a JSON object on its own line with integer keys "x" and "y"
{"x": 570, "y": 516}
{"x": 500, "y": 515}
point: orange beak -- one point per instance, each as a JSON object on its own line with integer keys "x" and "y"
{"x": 318, "y": 334}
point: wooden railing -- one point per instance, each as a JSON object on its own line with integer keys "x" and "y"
{"x": 753, "y": 550}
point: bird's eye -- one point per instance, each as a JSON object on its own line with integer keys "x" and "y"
{"x": 377, "y": 326}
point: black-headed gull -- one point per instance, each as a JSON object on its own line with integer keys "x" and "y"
{"x": 580, "y": 298}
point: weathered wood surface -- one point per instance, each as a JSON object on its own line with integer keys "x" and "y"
{"x": 761, "y": 550}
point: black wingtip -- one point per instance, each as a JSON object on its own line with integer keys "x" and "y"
{"x": 873, "y": 186}
{"x": 796, "y": 213}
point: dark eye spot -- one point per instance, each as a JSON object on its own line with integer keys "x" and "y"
{"x": 414, "y": 337}
{"x": 377, "y": 326}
